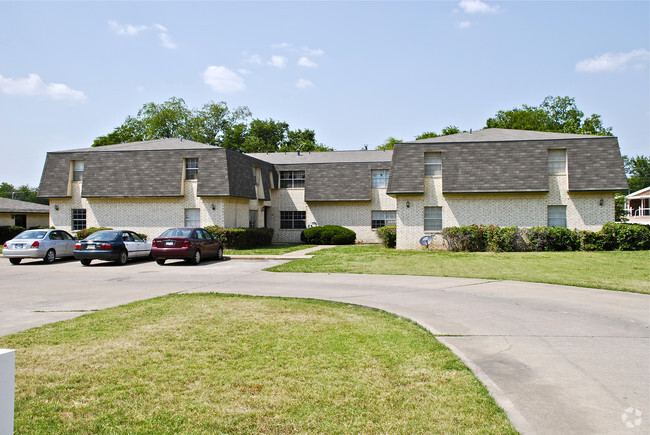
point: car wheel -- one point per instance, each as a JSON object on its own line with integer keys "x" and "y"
{"x": 85, "y": 262}
{"x": 15, "y": 260}
{"x": 220, "y": 254}
{"x": 160, "y": 261}
{"x": 50, "y": 256}
{"x": 121, "y": 260}
{"x": 197, "y": 257}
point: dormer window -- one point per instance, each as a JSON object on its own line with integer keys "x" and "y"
{"x": 78, "y": 170}
{"x": 380, "y": 178}
{"x": 191, "y": 169}
{"x": 557, "y": 162}
{"x": 292, "y": 179}
{"x": 432, "y": 164}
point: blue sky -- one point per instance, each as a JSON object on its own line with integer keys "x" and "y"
{"x": 355, "y": 72}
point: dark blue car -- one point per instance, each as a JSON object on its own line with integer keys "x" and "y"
{"x": 111, "y": 245}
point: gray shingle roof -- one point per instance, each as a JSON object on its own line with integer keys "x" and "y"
{"x": 292, "y": 158}
{"x": 340, "y": 181}
{"x": 498, "y": 160}
{"x": 14, "y": 206}
{"x": 147, "y": 145}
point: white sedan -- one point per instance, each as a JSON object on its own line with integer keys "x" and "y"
{"x": 47, "y": 244}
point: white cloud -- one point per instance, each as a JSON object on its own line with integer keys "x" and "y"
{"x": 34, "y": 86}
{"x": 477, "y": 7}
{"x": 126, "y": 29}
{"x": 612, "y": 62}
{"x": 464, "y": 24}
{"x": 280, "y": 45}
{"x": 278, "y": 61}
{"x": 307, "y": 63}
{"x": 304, "y": 83}
{"x": 254, "y": 59}
{"x": 311, "y": 51}
{"x": 130, "y": 30}
{"x": 243, "y": 71}
{"x": 302, "y": 51}
{"x": 222, "y": 79}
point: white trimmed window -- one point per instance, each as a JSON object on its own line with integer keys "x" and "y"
{"x": 381, "y": 218}
{"x": 78, "y": 219}
{"x": 557, "y": 216}
{"x": 557, "y": 162}
{"x": 192, "y": 217}
{"x": 432, "y": 218}
{"x": 191, "y": 169}
{"x": 380, "y": 178}
{"x": 290, "y": 179}
{"x": 432, "y": 164}
{"x": 78, "y": 170}
{"x": 292, "y": 220}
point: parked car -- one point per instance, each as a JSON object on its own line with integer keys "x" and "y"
{"x": 189, "y": 244}
{"x": 111, "y": 245}
{"x": 47, "y": 244}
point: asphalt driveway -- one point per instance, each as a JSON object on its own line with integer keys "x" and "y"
{"x": 557, "y": 359}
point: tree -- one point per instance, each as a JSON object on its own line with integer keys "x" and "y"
{"x": 21, "y": 193}
{"x": 389, "y": 144}
{"x": 555, "y": 114}
{"x": 450, "y": 129}
{"x": 638, "y": 172}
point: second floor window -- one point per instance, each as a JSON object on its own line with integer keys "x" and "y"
{"x": 432, "y": 164}
{"x": 191, "y": 169}
{"x": 557, "y": 162}
{"x": 380, "y": 178}
{"x": 289, "y": 179}
{"x": 78, "y": 170}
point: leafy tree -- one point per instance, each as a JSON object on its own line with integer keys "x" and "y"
{"x": 450, "y": 129}
{"x": 21, "y": 193}
{"x": 389, "y": 144}
{"x": 427, "y": 135}
{"x": 638, "y": 172}
{"x": 555, "y": 114}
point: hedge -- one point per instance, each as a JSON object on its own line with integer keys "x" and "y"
{"x": 613, "y": 236}
{"x": 388, "y": 235}
{"x": 9, "y": 232}
{"x": 242, "y": 238}
{"x": 328, "y": 235}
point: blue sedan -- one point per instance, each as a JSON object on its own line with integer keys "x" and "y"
{"x": 112, "y": 245}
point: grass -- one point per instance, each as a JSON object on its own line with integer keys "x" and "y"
{"x": 207, "y": 363}
{"x": 268, "y": 250}
{"x": 616, "y": 270}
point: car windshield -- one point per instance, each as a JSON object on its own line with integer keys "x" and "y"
{"x": 104, "y": 236}
{"x": 177, "y": 232}
{"x": 31, "y": 235}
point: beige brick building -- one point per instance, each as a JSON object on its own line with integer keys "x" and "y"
{"x": 493, "y": 176}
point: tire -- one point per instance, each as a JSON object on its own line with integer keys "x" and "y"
{"x": 220, "y": 254}
{"x": 160, "y": 261}
{"x": 85, "y": 262}
{"x": 49, "y": 256}
{"x": 196, "y": 259}
{"x": 121, "y": 260}
{"x": 15, "y": 260}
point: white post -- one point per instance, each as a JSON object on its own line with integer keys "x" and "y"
{"x": 7, "y": 385}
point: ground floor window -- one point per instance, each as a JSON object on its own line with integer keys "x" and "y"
{"x": 381, "y": 218}
{"x": 192, "y": 217}
{"x": 292, "y": 220}
{"x": 78, "y": 219}
{"x": 432, "y": 218}
{"x": 557, "y": 216}
{"x": 252, "y": 218}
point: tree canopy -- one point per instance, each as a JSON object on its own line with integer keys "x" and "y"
{"x": 213, "y": 124}
{"x": 21, "y": 193}
{"x": 638, "y": 172}
{"x": 555, "y": 114}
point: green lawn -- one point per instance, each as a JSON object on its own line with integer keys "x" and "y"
{"x": 268, "y": 250}
{"x": 207, "y": 363}
{"x": 617, "y": 270}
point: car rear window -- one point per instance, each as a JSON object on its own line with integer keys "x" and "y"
{"x": 104, "y": 236}
{"x": 31, "y": 235}
{"x": 177, "y": 232}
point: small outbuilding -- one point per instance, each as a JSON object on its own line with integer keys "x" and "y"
{"x": 23, "y": 214}
{"x": 637, "y": 206}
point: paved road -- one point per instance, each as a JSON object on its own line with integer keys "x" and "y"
{"x": 557, "y": 359}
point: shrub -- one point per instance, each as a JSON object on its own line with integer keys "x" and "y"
{"x": 471, "y": 238}
{"x": 82, "y": 234}
{"x": 328, "y": 235}
{"x": 552, "y": 239}
{"x": 242, "y": 238}
{"x": 507, "y": 239}
{"x": 9, "y": 232}
{"x": 625, "y": 237}
{"x": 591, "y": 241}
{"x": 388, "y": 235}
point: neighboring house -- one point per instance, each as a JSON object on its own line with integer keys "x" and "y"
{"x": 637, "y": 206}
{"x": 23, "y": 214}
{"x": 493, "y": 176}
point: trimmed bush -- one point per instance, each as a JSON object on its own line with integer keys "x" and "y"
{"x": 9, "y": 232}
{"x": 82, "y": 234}
{"x": 552, "y": 239}
{"x": 469, "y": 239}
{"x": 625, "y": 237}
{"x": 328, "y": 235}
{"x": 388, "y": 235}
{"x": 506, "y": 239}
{"x": 591, "y": 241}
{"x": 242, "y": 238}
